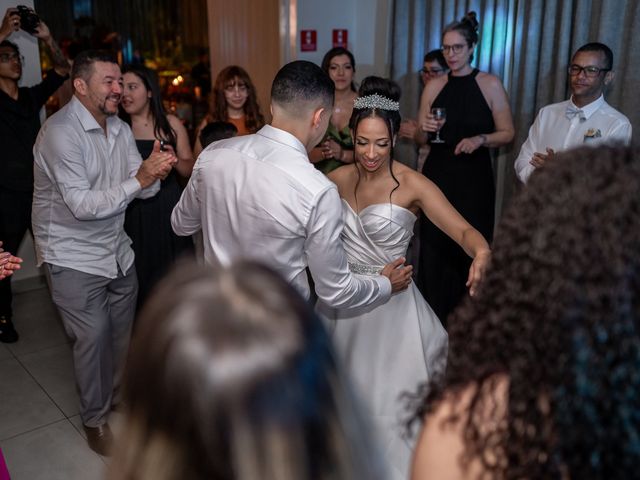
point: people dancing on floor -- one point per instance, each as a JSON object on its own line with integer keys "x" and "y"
{"x": 391, "y": 348}
{"x": 87, "y": 169}
{"x": 258, "y": 197}
{"x": 478, "y": 117}
{"x": 336, "y": 148}
{"x": 148, "y": 221}
{"x": 542, "y": 378}
{"x": 234, "y": 100}
{"x": 232, "y": 376}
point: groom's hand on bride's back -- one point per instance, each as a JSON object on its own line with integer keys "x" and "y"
{"x": 398, "y": 274}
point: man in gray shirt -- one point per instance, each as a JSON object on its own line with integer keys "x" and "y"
{"x": 87, "y": 170}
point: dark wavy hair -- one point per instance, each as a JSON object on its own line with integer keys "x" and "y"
{"x": 10, "y": 44}
{"x": 558, "y": 316}
{"x": 335, "y": 52}
{"x": 436, "y": 56}
{"x": 254, "y": 120}
{"x": 231, "y": 376}
{"x": 161, "y": 128}
{"x": 467, "y": 27}
{"x": 386, "y": 88}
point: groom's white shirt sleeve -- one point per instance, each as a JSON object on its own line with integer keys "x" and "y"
{"x": 258, "y": 197}
{"x": 334, "y": 283}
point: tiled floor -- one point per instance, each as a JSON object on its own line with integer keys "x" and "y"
{"x": 40, "y": 430}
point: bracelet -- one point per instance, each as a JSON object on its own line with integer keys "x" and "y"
{"x": 484, "y": 138}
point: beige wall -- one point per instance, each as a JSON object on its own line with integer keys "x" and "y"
{"x": 246, "y": 33}
{"x": 262, "y": 36}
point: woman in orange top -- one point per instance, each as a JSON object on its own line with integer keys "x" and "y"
{"x": 234, "y": 100}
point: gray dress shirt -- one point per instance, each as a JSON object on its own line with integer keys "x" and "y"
{"x": 259, "y": 197}
{"x": 83, "y": 182}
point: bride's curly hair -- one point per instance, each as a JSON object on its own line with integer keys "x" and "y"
{"x": 558, "y": 316}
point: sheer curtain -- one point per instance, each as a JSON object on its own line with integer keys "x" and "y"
{"x": 528, "y": 45}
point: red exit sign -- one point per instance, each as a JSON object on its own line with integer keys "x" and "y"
{"x": 308, "y": 40}
{"x": 340, "y": 37}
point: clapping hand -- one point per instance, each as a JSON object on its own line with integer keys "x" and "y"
{"x": 157, "y": 166}
{"x": 8, "y": 263}
{"x": 539, "y": 159}
{"x": 331, "y": 149}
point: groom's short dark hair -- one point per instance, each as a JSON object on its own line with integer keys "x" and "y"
{"x": 302, "y": 82}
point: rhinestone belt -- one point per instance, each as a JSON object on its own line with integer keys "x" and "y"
{"x": 363, "y": 269}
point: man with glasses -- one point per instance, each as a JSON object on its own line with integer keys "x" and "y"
{"x": 19, "y": 125}
{"x": 434, "y": 66}
{"x": 584, "y": 119}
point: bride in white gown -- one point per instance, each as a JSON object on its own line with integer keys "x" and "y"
{"x": 392, "y": 348}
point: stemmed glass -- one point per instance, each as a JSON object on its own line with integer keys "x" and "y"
{"x": 439, "y": 114}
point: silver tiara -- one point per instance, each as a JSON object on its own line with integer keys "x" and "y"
{"x": 376, "y": 101}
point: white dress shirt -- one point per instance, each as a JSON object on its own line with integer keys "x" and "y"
{"x": 83, "y": 182}
{"x": 552, "y": 128}
{"x": 259, "y": 197}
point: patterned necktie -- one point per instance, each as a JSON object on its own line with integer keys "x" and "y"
{"x": 572, "y": 111}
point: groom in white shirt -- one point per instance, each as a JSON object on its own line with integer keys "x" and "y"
{"x": 584, "y": 119}
{"x": 259, "y": 197}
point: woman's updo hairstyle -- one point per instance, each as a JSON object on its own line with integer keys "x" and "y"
{"x": 467, "y": 27}
{"x": 383, "y": 87}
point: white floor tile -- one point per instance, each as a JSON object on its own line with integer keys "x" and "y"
{"x": 36, "y": 320}
{"x": 54, "y": 452}
{"x": 24, "y": 405}
{"x": 53, "y": 370}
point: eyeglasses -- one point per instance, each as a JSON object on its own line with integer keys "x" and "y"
{"x": 9, "y": 57}
{"x": 589, "y": 71}
{"x": 431, "y": 71}
{"x": 457, "y": 48}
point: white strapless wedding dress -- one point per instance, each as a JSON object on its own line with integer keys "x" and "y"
{"x": 389, "y": 349}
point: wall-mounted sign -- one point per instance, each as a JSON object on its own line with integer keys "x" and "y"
{"x": 340, "y": 38}
{"x": 308, "y": 40}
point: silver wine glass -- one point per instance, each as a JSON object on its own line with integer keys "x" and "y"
{"x": 439, "y": 114}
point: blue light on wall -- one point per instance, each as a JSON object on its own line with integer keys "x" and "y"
{"x": 81, "y": 8}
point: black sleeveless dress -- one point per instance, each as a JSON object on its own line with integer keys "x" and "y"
{"x": 148, "y": 224}
{"x": 467, "y": 182}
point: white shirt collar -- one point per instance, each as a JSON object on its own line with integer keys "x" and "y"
{"x": 88, "y": 121}
{"x": 282, "y": 136}
{"x": 590, "y": 108}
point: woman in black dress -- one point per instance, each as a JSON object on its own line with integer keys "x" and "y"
{"x": 478, "y": 117}
{"x": 148, "y": 222}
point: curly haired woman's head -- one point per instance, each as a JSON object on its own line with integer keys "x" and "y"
{"x": 558, "y": 315}
{"x": 230, "y": 78}
{"x": 231, "y": 376}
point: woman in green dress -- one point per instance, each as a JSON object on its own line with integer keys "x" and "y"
{"x": 337, "y": 147}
